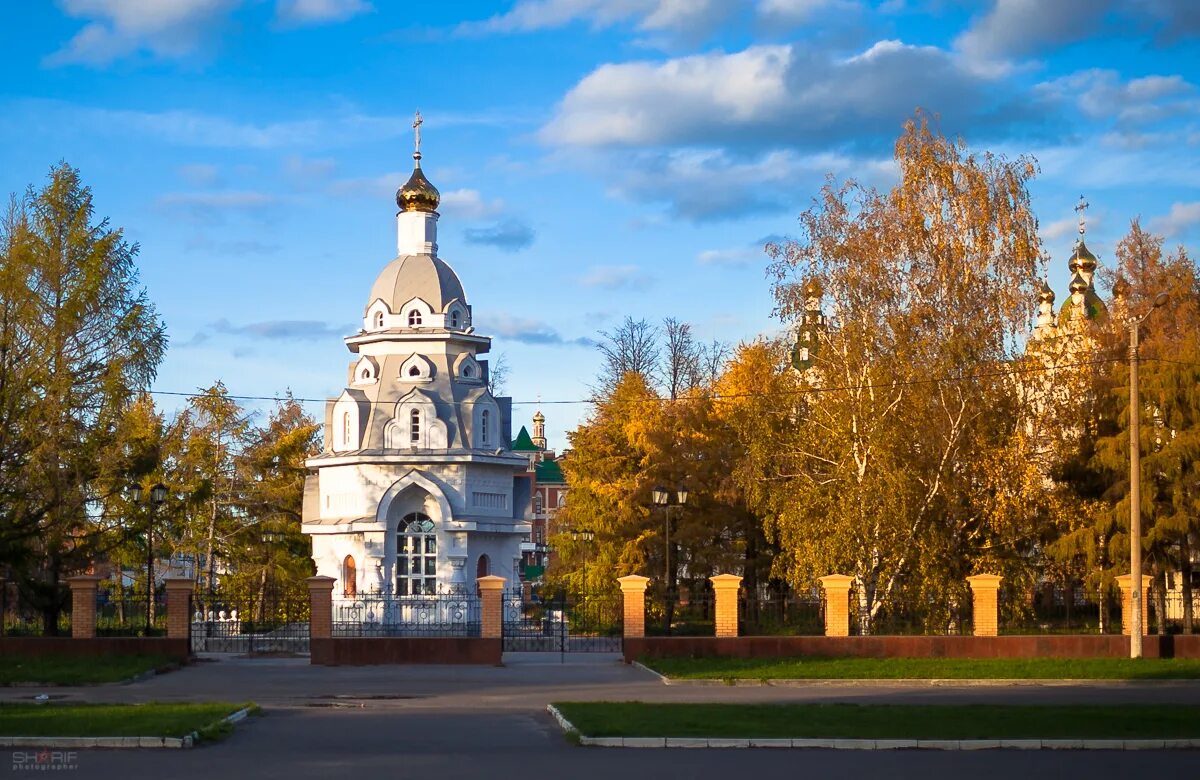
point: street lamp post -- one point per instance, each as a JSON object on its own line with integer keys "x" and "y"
{"x": 662, "y": 497}
{"x": 1135, "y": 485}
{"x": 158, "y": 494}
{"x": 586, "y": 537}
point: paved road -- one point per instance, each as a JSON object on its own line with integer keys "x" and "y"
{"x": 435, "y": 722}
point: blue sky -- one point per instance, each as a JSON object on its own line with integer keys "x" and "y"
{"x": 597, "y": 158}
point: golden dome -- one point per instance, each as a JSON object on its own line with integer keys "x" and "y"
{"x": 538, "y": 416}
{"x": 1078, "y": 284}
{"x": 813, "y": 289}
{"x": 1046, "y": 295}
{"x": 417, "y": 194}
{"x": 1082, "y": 259}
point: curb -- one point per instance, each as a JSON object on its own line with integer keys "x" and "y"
{"x": 662, "y": 677}
{"x": 120, "y": 742}
{"x": 891, "y": 682}
{"x": 876, "y": 744}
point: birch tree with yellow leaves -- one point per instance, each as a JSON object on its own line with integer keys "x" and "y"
{"x": 905, "y": 466}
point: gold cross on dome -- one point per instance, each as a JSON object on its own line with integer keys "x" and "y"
{"x": 1080, "y": 209}
{"x": 417, "y": 131}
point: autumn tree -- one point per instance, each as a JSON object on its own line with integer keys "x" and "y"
{"x": 899, "y": 462}
{"x": 215, "y": 432}
{"x": 1170, "y": 415}
{"x": 271, "y": 550}
{"x": 78, "y": 338}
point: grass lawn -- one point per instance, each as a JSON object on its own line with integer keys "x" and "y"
{"x": 115, "y": 720}
{"x": 927, "y": 668}
{"x": 884, "y": 721}
{"x": 66, "y": 670}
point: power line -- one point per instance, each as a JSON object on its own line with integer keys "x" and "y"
{"x": 811, "y": 390}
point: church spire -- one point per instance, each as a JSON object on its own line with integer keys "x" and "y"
{"x": 1083, "y": 263}
{"x": 416, "y": 224}
{"x": 417, "y": 194}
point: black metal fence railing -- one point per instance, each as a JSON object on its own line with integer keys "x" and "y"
{"x": 1059, "y": 611}
{"x": 781, "y": 615}
{"x": 561, "y": 622}
{"x": 433, "y": 615}
{"x": 681, "y": 612}
{"x": 117, "y": 616}
{"x": 1168, "y": 609}
{"x": 275, "y": 622}
{"x": 929, "y": 618}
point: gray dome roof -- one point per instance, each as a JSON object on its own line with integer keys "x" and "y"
{"x": 417, "y": 276}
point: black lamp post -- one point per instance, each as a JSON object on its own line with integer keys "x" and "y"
{"x": 158, "y": 494}
{"x": 662, "y": 497}
{"x": 586, "y": 537}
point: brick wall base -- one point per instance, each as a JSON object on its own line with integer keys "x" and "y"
{"x": 1049, "y": 646}
{"x": 176, "y": 649}
{"x": 364, "y": 651}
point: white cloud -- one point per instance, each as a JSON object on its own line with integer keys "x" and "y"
{"x": 525, "y": 330}
{"x": 615, "y": 277}
{"x": 296, "y": 13}
{"x": 213, "y": 207}
{"x": 115, "y": 28}
{"x": 769, "y": 95}
{"x": 199, "y": 174}
{"x": 1101, "y": 94}
{"x": 468, "y": 204}
{"x": 226, "y": 200}
{"x": 1059, "y": 229}
{"x": 1181, "y": 219}
{"x": 509, "y": 235}
{"x": 307, "y": 170}
{"x": 679, "y": 16}
{"x": 736, "y": 257}
{"x": 801, "y": 11}
{"x": 1016, "y": 28}
{"x": 704, "y": 185}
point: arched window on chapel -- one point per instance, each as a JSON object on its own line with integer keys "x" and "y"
{"x": 415, "y": 426}
{"x": 416, "y": 556}
{"x": 349, "y": 577}
{"x": 414, "y": 318}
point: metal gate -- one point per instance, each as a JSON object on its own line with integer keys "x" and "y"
{"x": 562, "y": 623}
{"x": 271, "y": 621}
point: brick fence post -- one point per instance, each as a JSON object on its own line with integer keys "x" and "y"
{"x": 985, "y": 591}
{"x": 725, "y": 587}
{"x": 633, "y": 596}
{"x": 491, "y": 590}
{"x": 320, "y": 601}
{"x": 83, "y": 605}
{"x": 179, "y": 606}
{"x": 1124, "y": 582}
{"x": 837, "y": 604}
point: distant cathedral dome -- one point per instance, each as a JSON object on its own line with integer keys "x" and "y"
{"x": 1082, "y": 259}
{"x": 1045, "y": 295}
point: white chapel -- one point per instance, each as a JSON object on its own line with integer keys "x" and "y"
{"x": 416, "y": 491}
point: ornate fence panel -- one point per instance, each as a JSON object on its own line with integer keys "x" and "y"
{"x": 430, "y": 615}
{"x": 562, "y": 623}
{"x": 120, "y": 614}
{"x": 272, "y": 621}
{"x": 781, "y": 615}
